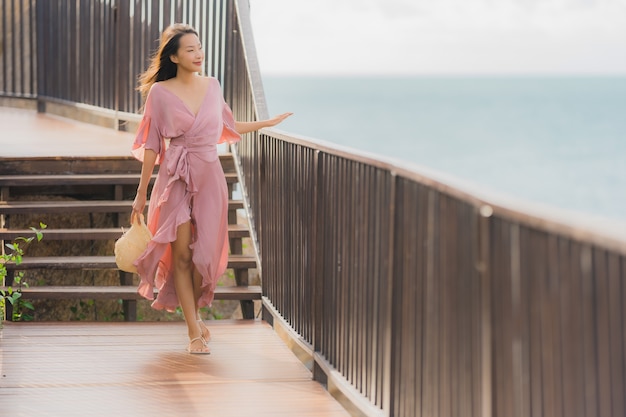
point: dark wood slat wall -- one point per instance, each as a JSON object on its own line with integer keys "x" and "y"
{"x": 558, "y": 324}
{"x": 436, "y": 308}
{"x": 81, "y": 51}
{"x": 18, "y": 46}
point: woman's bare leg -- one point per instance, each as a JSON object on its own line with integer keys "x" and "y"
{"x": 197, "y": 292}
{"x": 197, "y": 286}
{"x": 183, "y": 282}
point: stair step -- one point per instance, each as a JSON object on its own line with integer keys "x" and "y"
{"x": 81, "y": 179}
{"x": 125, "y": 292}
{"x": 68, "y": 179}
{"x": 83, "y": 165}
{"x": 109, "y": 190}
{"x": 103, "y": 262}
{"x": 74, "y": 206}
{"x": 234, "y": 231}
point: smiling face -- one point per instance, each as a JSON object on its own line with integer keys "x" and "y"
{"x": 190, "y": 54}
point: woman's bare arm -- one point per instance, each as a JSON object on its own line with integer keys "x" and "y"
{"x": 149, "y": 161}
{"x": 246, "y": 127}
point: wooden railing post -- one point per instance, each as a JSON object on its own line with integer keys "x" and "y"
{"x": 318, "y": 283}
{"x": 388, "y": 302}
{"x": 484, "y": 390}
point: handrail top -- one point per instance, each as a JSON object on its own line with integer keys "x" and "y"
{"x": 596, "y": 230}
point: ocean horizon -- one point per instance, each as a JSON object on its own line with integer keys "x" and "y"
{"x": 556, "y": 141}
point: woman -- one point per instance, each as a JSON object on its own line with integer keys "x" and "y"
{"x": 188, "y": 207}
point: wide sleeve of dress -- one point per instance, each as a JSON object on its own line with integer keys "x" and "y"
{"x": 229, "y": 134}
{"x": 149, "y": 133}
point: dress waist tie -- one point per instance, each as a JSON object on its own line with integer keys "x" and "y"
{"x": 177, "y": 165}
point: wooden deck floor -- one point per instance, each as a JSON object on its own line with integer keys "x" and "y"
{"x": 26, "y": 133}
{"x": 142, "y": 369}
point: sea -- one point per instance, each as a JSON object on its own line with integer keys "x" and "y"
{"x": 556, "y": 141}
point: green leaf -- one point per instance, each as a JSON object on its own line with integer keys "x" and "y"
{"x": 28, "y": 305}
{"x": 38, "y": 233}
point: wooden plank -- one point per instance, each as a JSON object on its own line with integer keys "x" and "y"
{"x": 602, "y": 332}
{"x": 536, "y": 305}
{"x": 65, "y": 262}
{"x": 552, "y": 352}
{"x": 103, "y": 262}
{"x": 572, "y": 332}
{"x": 589, "y": 332}
{"x": 238, "y": 231}
{"x": 68, "y": 206}
{"x": 616, "y": 315}
{"x": 64, "y": 165}
{"x": 76, "y": 206}
{"x": 125, "y": 292}
{"x": 503, "y": 251}
{"x": 138, "y": 369}
{"x": 234, "y": 231}
{"x": 68, "y": 179}
{"x": 80, "y": 179}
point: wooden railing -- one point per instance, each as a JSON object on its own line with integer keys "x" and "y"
{"x": 429, "y": 300}
{"x": 409, "y": 291}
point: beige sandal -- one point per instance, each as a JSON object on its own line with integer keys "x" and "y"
{"x": 206, "y": 334}
{"x": 203, "y": 351}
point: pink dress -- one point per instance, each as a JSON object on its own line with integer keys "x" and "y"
{"x": 190, "y": 186}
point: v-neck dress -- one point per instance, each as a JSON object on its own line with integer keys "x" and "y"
{"x": 190, "y": 186}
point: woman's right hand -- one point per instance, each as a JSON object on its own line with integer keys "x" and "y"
{"x": 138, "y": 206}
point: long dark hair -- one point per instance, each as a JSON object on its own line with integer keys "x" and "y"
{"x": 161, "y": 66}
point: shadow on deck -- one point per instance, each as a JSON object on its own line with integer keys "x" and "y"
{"x": 134, "y": 369}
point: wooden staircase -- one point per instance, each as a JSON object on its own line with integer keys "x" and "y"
{"x": 56, "y": 187}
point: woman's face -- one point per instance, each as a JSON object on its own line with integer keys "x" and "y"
{"x": 190, "y": 53}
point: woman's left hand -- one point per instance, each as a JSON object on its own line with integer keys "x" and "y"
{"x": 246, "y": 127}
{"x": 277, "y": 119}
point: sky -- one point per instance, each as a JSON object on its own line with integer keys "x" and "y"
{"x": 440, "y": 37}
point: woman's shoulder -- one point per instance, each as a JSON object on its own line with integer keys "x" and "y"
{"x": 158, "y": 85}
{"x": 209, "y": 80}
{"x": 211, "y": 85}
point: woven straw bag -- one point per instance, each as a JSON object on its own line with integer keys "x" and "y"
{"x": 132, "y": 244}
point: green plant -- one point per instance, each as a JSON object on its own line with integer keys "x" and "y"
{"x": 211, "y": 313}
{"x": 13, "y": 293}
{"x": 81, "y": 310}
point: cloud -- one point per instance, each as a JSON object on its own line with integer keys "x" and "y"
{"x": 446, "y": 36}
